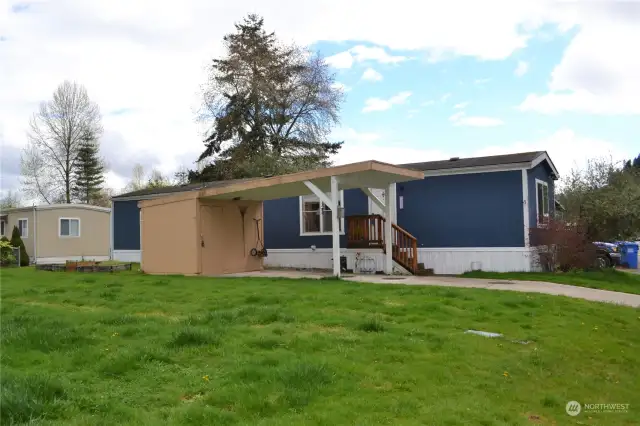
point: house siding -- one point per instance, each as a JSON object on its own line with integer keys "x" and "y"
{"x": 468, "y": 210}
{"x": 126, "y": 225}
{"x": 12, "y": 221}
{"x": 471, "y": 210}
{"x": 94, "y": 233}
{"x": 542, "y": 172}
{"x": 282, "y": 222}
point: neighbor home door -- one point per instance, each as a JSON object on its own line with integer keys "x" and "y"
{"x": 211, "y": 243}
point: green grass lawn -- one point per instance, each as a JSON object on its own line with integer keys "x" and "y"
{"x": 127, "y": 348}
{"x": 608, "y": 279}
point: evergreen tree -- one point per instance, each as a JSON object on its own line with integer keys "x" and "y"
{"x": 88, "y": 173}
{"x": 632, "y": 164}
{"x": 273, "y": 107}
{"x": 16, "y": 241}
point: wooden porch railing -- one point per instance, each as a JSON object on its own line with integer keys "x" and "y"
{"x": 367, "y": 231}
{"x": 405, "y": 248}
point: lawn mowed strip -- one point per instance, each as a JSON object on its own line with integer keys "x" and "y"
{"x": 127, "y": 348}
{"x": 606, "y": 279}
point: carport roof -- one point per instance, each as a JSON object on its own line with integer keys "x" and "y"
{"x": 366, "y": 174}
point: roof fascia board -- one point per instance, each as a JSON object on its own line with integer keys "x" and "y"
{"x": 477, "y": 169}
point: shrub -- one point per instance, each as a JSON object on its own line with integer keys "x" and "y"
{"x": 16, "y": 241}
{"x": 562, "y": 246}
{"x": 6, "y": 252}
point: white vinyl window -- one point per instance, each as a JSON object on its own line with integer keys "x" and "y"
{"x": 315, "y": 216}
{"x": 23, "y": 227}
{"x": 542, "y": 201}
{"x": 69, "y": 227}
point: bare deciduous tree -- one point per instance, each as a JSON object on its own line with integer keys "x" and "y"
{"x": 605, "y": 197}
{"x": 39, "y": 181}
{"x": 137, "y": 179}
{"x": 103, "y": 198}
{"x": 10, "y": 200}
{"x": 55, "y": 135}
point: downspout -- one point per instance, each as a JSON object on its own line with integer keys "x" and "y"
{"x": 111, "y": 232}
{"x": 525, "y": 206}
{"x": 141, "y": 240}
{"x": 35, "y": 239}
{"x": 525, "y": 220}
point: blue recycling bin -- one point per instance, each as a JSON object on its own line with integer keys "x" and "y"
{"x": 629, "y": 255}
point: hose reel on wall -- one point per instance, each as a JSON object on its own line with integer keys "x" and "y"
{"x": 259, "y": 249}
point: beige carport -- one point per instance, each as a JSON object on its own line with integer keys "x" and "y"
{"x": 212, "y": 231}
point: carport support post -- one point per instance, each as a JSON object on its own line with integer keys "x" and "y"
{"x": 390, "y": 202}
{"x": 335, "y": 226}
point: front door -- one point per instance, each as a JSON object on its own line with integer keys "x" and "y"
{"x": 211, "y": 242}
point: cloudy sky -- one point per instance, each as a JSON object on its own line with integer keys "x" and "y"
{"x": 423, "y": 80}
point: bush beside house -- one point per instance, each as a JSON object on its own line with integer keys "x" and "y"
{"x": 562, "y": 247}
{"x": 6, "y": 252}
{"x": 16, "y": 241}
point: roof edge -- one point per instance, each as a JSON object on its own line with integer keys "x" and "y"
{"x": 58, "y": 206}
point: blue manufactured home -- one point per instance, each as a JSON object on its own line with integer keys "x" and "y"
{"x": 466, "y": 213}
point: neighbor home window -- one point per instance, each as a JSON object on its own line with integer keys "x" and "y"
{"x": 542, "y": 201}
{"x": 23, "y": 227}
{"x": 2, "y": 225}
{"x": 315, "y": 216}
{"x": 69, "y": 227}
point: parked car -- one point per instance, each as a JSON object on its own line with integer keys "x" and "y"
{"x": 608, "y": 254}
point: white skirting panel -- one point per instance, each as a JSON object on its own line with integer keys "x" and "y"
{"x": 322, "y": 258}
{"x": 64, "y": 259}
{"x": 443, "y": 260}
{"x": 127, "y": 255}
{"x": 457, "y": 260}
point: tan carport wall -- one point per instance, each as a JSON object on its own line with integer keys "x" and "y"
{"x": 206, "y": 232}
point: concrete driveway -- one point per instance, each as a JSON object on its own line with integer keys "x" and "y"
{"x": 592, "y": 294}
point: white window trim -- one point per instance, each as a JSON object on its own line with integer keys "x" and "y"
{"x": 538, "y": 181}
{"x": 18, "y": 223}
{"x": 310, "y": 234}
{"x": 60, "y": 219}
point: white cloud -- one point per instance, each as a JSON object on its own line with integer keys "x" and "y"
{"x": 340, "y": 60}
{"x": 351, "y": 136}
{"x": 427, "y": 103}
{"x": 377, "y": 104}
{"x": 341, "y": 86}
{"x": 461, "y": 119}
{"x": 151, "y": 58}
{"x": 566, "y": 149}
{"x": 371, "y": 75}
{"x": 362, "y": 53}
{"x": 461, "y": 105}
{"x": 521, "y": 69}
{"x": 481, "y": 81}
{"x": 456, "y": 116}
{"x": 444, "y": 97}
{"x": 598, "y": 74}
